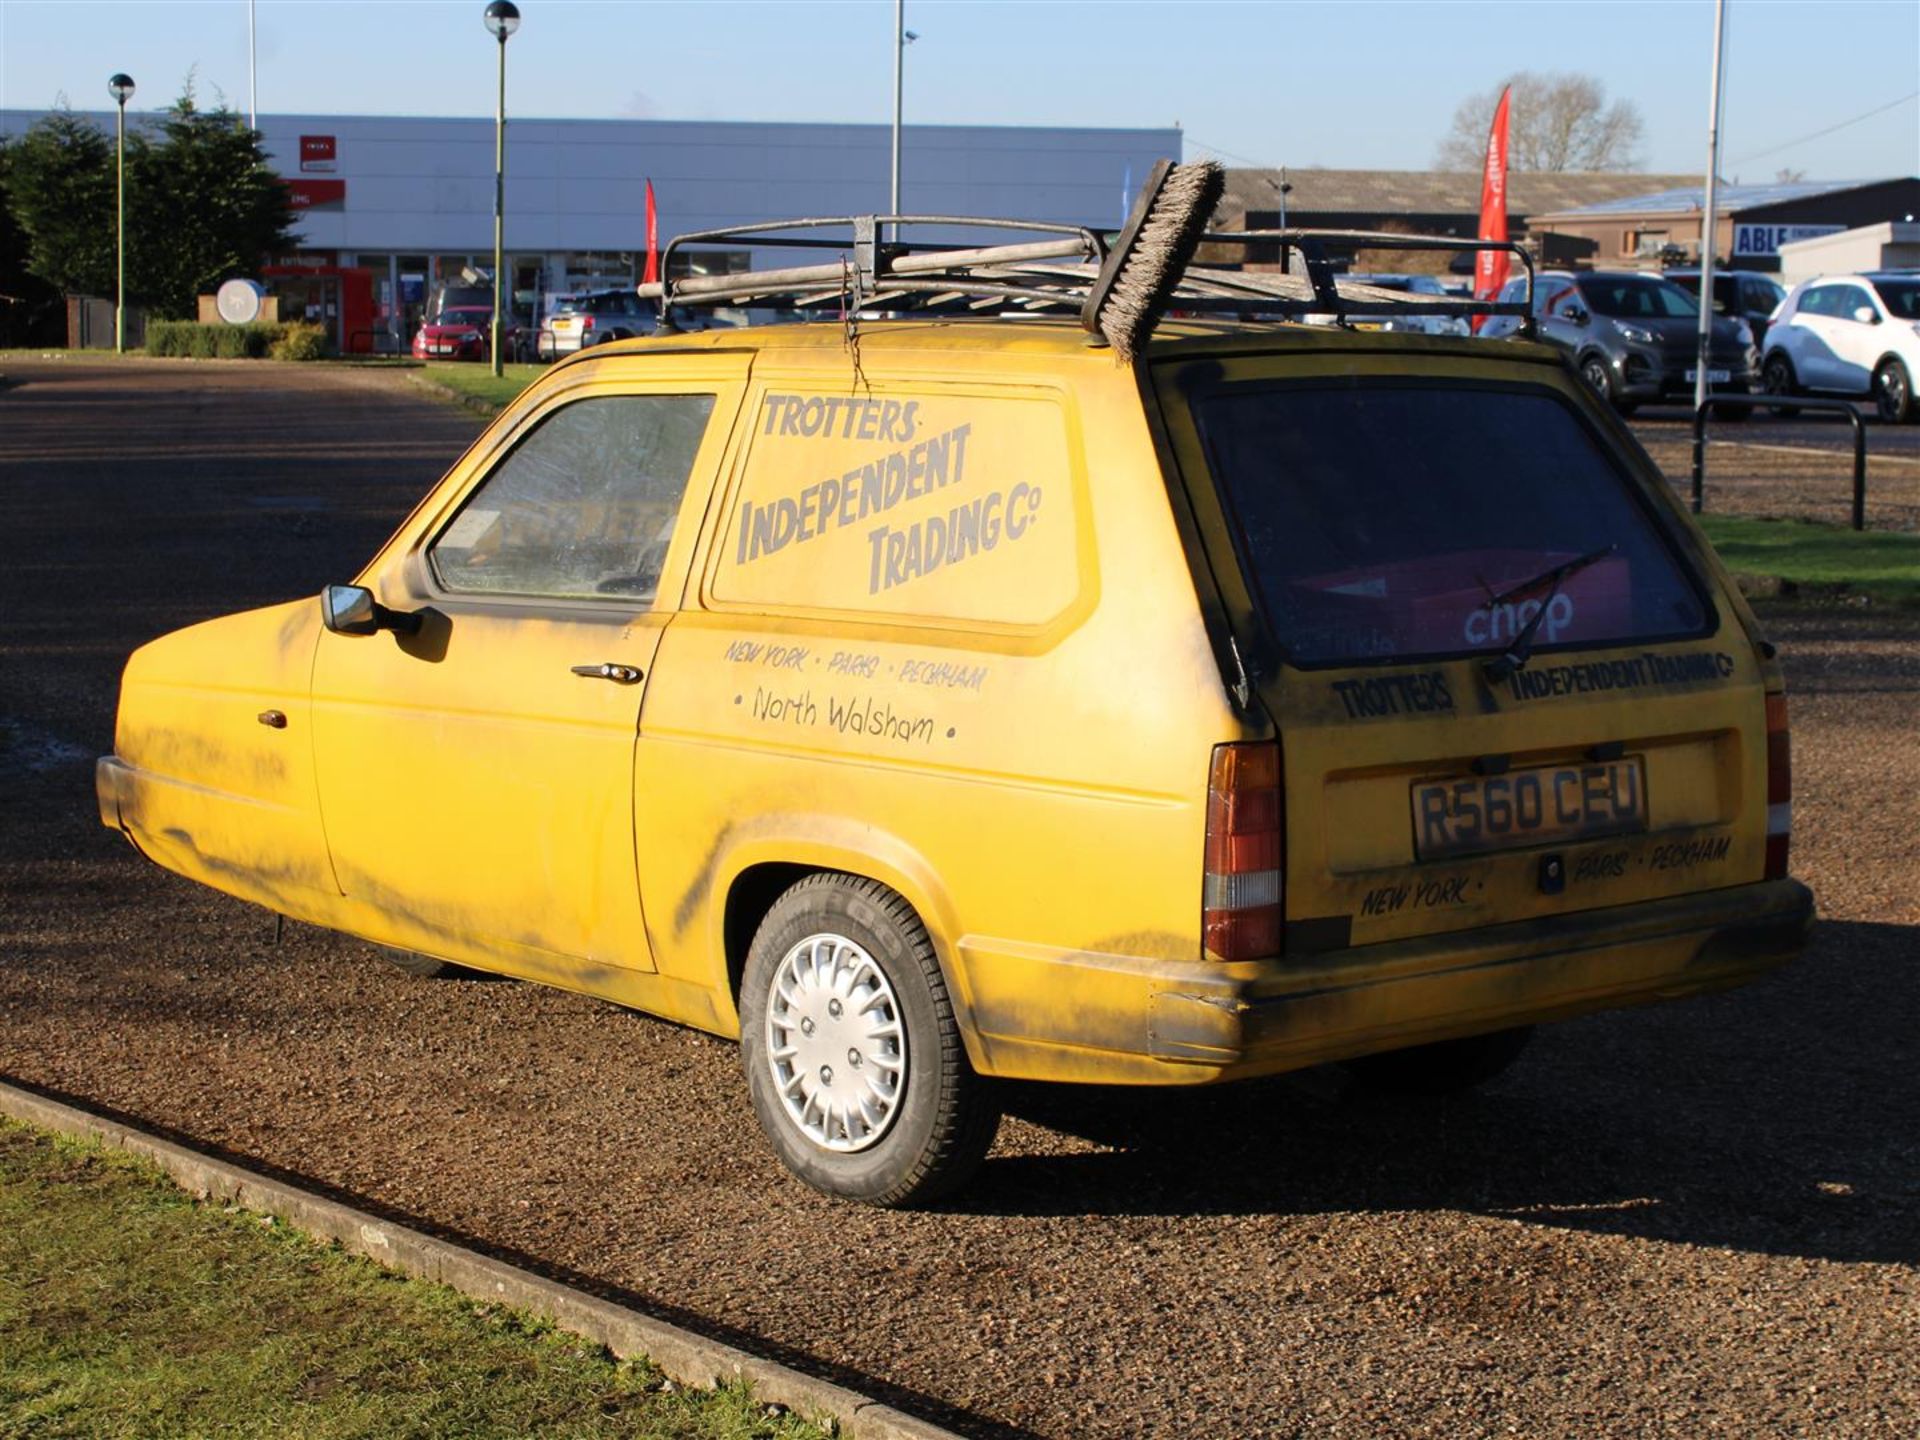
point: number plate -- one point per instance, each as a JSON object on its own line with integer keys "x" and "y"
{"x": 1540, "y": 806}
{"x": 1714, "y": 377}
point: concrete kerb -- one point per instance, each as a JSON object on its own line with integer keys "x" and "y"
{"x": 687, "y": 1358}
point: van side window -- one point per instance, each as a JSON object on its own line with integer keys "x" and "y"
{"x": 583, "y": 507}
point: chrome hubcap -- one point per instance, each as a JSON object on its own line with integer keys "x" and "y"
{"x": 836, "y": 1043}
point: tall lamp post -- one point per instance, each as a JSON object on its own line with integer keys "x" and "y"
{"x": 902, "y": 37}
{"x": 121, "y": 88}
{"x": 503, "y": 18}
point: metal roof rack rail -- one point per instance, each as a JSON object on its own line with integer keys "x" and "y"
{"x": 1070, "y": 269}
{"x": 871, "y": 270}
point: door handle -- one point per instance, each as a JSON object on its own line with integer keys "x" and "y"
{"x": 619, "y": 674}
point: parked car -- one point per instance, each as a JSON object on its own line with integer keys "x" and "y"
{"x": 465, "y": 334}
{"x": 1416, "y": 286}
{"x": 1634, "y": 337}
{"x": 595, "y": 320}
{"x": 1849, "y": 335}
{"x": 972, "y": 703}
{"x": 1751, "y": 295}
{"x": 473, "y": 291}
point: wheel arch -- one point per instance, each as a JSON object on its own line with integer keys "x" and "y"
{"x": 757, "y": 869}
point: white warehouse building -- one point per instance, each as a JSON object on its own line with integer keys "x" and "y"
{"x": 410, "y": 199}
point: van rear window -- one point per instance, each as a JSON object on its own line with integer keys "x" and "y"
{"x": 1392, "y": 521}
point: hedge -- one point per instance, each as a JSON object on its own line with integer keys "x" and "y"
{"x": 236, "y": 342}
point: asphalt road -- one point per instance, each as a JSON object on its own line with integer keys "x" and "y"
{"x": 1689, "y": 1220}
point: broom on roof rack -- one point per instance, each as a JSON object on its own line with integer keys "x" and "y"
{"x": 1120, "y": 290}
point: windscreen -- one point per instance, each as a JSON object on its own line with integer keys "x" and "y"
{"x": 1630, "y": 297}
{"x": 1388, "y": 521}
{"x": 1902, "y": 297}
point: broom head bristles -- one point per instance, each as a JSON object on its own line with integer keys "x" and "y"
{"x": 1164, "y": 244}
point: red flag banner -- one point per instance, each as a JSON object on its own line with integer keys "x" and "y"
{"x": 1491, "y": 266}
{"x": 653, "y": 240}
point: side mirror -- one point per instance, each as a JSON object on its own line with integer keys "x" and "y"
{"x": 1867, "y": 315}
{"x": 1575, "y": 315}
{"x": 352, "y": 610}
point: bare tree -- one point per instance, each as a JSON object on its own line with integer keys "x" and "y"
{"x": 1557, "y": 122}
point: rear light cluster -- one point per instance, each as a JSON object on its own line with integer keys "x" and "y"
{"x": 586, "y": 323}
{"x": 1779, "y": 787}
{"x": 1241, "y": 911}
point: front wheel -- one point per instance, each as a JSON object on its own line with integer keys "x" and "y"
{"x": 1599, "y": 377}
{"x": 1893, "y": 393}
{"x": 853, "y": 1058}
{"x": 423, "y": 967}
{"x": 1776, "y": 378}
{"x": 1444, "y": 1068}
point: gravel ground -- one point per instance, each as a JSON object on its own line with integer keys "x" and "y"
{"x": 1688, "y": 1220}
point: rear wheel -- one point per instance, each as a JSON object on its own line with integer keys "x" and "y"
{"x": 1893, "y": 393}
{"x": 1776, "y": 378}
{"x": 852, "y": 1054}
{"x": 1444, "y": 1068}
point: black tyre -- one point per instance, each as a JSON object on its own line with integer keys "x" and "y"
{"x": 1599, "y": 377}
{"x": 1893, "y": 393}
{"x": 426, "y": 967}
{"x": 853, "y": 1059}
{"x": 1777, "y": 378}
{"x": 1444, "y": 1068}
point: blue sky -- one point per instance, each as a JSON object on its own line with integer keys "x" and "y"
{"x": 1354, "y": 84}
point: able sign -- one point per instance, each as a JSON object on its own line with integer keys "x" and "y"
{"x": 1767, "y": 239}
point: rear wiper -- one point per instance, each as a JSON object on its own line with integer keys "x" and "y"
{"x": 1515, "y": 656}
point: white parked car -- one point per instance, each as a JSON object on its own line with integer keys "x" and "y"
{"x": 1848, "y": 335}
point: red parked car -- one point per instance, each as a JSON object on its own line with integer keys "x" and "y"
{"x": 461, "y": 334}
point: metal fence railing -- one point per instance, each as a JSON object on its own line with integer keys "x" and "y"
{"x": 1774, "y": 402}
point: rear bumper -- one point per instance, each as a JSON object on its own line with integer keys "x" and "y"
{"x": 1180, "y": 1023}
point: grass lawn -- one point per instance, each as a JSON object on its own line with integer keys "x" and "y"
{"x": 128, "y": 1309}
{"x": 478, "y": 382}
{"x": 1880, "y": 563}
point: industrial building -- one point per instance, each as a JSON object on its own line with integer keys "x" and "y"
{"x": 410, "y": 199}
{"x": 1752, "y": 222}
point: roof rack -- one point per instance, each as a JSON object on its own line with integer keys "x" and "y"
{"x": 1072, "y": 268}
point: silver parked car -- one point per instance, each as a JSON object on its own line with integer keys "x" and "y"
{"x": 589, "y": 320}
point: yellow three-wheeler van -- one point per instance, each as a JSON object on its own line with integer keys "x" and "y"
{"x": 949, "y": 701}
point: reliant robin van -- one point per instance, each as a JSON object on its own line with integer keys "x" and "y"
{"x": 953, "y": 690}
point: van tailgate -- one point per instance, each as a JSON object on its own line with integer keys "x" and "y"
{"x": 1425, "y": 799}
{"x": 1506, "y": 681}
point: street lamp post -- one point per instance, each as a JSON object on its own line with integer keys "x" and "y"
{"x": 902, "y": 37}
{"x": 121, "y": 88}
{"x": 503, "y": 18}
